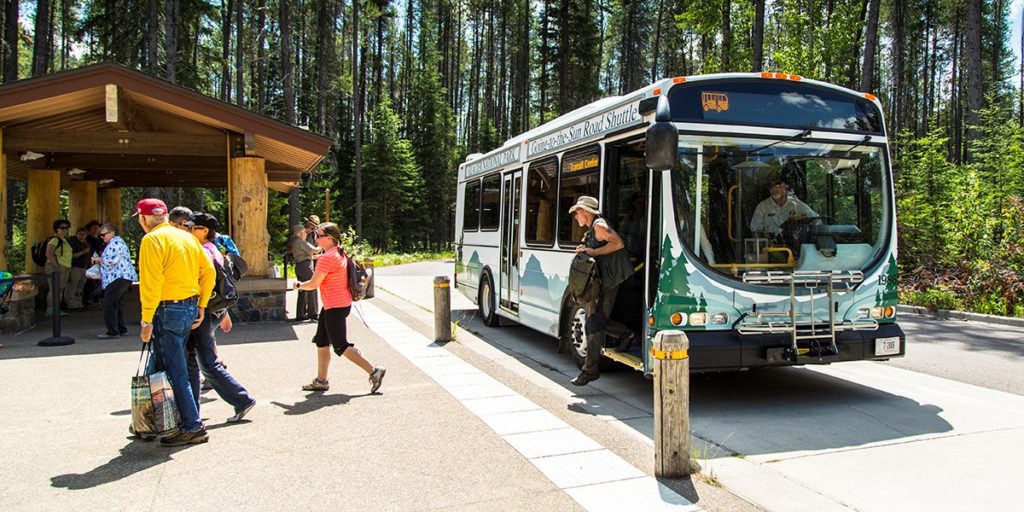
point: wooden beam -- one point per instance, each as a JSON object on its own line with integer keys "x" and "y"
{"x": 93, "y": 161}
{"x": 82, "y": 203}
{"x": 249, "y": 212}
{"x": 43, "y": 209}
{"x": 131, "y": 143}
{"x": 121, "y": 112}
{"x": 110, "y": 206}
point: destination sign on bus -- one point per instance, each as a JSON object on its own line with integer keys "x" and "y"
{"x": 622, "y": 117}
{"x": 583, "y": 164}
{"x": 493, "y": 162}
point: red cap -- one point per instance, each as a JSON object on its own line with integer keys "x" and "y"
{"x": 150, "y": 206}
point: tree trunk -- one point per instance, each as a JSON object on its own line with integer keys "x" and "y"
{"x": 239, "y": 46}
{"x": 41, "y": 38}
{"x": 726, "y": 34}
{"x": 287, "y": 75}
{"x": 867, "y": 71}
{"x": 972, "y": 71}
{"x": 153, "y": 37}
{"x": 10, "y": 43}
{"x": 171, "y": 38}
{"x": 357, "y": 117}
{"x": 261, "y": 65}
{"x": 225, "y": 53}
{"x": 658, "y": 21}
{"x": 757, "y": 38}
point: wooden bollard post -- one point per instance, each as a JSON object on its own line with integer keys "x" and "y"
{"x": 442, "y": 309}
{"x": 368, "y": 265}
{"x": 671, "y": 404}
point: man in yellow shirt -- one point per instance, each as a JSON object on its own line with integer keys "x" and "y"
{"x": 175, "y": 282}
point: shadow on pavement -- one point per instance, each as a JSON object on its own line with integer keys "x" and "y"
{"x": 314, "y": 402}
{"x": 745, "y": 412}
{"x": 134, "y": 457}
{"x": 982, "y": 337}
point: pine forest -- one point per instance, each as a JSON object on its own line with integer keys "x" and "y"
{"x": 407, "y": 88}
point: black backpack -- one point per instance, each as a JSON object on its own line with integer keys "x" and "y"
{"x": 39, "y": 250}
{"x": 357, "y": 278}
{"x": 225, "y": 293}
{"x": 584, "y": 278}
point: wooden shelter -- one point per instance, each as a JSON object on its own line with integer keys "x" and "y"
{"x": 95, "y": 129}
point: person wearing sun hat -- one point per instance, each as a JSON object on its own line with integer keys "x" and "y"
{"x": 176, "y": 279}
{"x": 606, "y": 247}
{"x": 303, "y": 253}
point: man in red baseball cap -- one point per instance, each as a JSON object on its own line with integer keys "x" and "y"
{"x": 175, "y": 282}
{"x": 150, "y": 206}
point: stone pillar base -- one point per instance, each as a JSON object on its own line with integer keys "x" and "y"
{"x": 261, "y": 300}
{"x": 21, "y": 312}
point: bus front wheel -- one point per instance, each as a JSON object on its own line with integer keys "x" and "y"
{"x": 486, "y": 302}
{"x": 576, "y": 336}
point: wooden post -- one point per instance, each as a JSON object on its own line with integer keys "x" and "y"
{"x": 442, "y": 309}
{"x": 249, "y": 212}
{"x": 82, "y": 204}
{"x": 671, "y": 404}
{"x": 43, "y": 209}
{"x": 368, "y": 264}
{"x": 110, "y": 206}
{"x": 3, "y": 204}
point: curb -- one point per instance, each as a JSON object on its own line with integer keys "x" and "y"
{"x": 945, "y": 314}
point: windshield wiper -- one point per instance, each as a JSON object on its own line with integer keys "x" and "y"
{"x": 800, "y": 135}
{"x": 865, "y": 140}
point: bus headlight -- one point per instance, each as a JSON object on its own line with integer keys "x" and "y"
{"x": 863, "y": 313}
{"x": 877, "y": 313}
{"x": 677, "y": 318}
{"x": 698, "y": 318}
{"x": 720, "y": 318}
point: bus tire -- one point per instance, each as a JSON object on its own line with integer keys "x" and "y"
{"x": 486, "y": 303}
{"x": 576, "y": 340}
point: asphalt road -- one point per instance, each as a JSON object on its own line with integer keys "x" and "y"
{"x": 986, "y": 355}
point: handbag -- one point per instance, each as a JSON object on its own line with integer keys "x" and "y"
{"x": 154, "y": 410}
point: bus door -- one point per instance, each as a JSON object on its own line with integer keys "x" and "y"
{"x": 512, "y": 186}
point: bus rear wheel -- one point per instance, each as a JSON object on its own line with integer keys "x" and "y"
{"x": 577, "y": 338}
{"x": 485, "y": 302}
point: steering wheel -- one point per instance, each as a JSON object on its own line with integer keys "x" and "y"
{"x": 798, "y": 229}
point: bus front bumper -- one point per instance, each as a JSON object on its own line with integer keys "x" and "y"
{"x": 729, "y": 350}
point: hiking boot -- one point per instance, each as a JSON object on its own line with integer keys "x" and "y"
{"x": 317, "y": 385}
{"x": 241, "y": 414}
{"x": 626, "y": 343}
{"x": 585, "y": 378}
{"x": 376, "y": 377}
{"x": 184, "y": 438}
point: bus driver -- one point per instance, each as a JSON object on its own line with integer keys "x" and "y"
{"x": 773, "y": 212}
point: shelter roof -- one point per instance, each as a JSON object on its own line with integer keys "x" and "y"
{"x": 119, "y": 124}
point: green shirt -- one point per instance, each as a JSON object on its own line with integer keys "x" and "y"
{"x": 61, "y": 251}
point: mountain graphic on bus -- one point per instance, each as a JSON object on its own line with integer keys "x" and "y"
{"x": 717, "y": 101}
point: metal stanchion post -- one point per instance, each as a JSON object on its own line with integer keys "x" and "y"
{"x": 442, "y": 309}
{"x": 368, "y": 264}
{"x": 669, "y": 352}
{"x": 56, "y": 340}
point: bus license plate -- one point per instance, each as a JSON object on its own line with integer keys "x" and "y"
{"x": 887, "y": 346}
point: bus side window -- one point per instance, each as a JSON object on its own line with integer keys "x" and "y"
{"x": 471, "y": 210}
{"x": 541, "y": 195}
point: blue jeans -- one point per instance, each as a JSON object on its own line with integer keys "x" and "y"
{"x": 172, "y": 324}
{"x": 202, "y": 355}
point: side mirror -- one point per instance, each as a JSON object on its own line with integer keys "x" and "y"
{"x": 662, "y": 139}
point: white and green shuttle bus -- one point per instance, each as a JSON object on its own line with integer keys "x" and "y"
{"x": 685, "y": 171}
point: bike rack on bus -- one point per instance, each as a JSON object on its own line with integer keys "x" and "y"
{"x": 806, "y": 326}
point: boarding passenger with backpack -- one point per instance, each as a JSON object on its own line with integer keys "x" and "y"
{"x": 605, "y": 245}
{"x": 58, "y": 260}
{"x": 202, "y": 353}
{"x": 332, "y": 278}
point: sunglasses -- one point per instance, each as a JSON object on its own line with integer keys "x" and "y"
{"x": 322, "y": 235}
{"x": 193, "y": 228}
{"x": 63, "y": 227}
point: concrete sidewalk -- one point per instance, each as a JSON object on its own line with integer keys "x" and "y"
{"x": 417, "y": 445}
{"x": 64, "y": 414}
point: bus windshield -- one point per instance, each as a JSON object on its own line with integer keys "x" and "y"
{"x": 752, "y": 204}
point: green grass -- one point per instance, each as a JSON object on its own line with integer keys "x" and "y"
{"x": 389, "y": 259}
